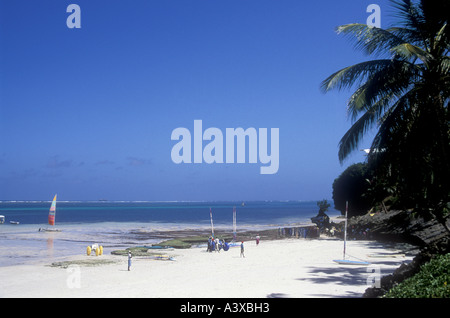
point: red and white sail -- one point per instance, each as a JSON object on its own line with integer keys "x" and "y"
{"x": 51, "y": 214}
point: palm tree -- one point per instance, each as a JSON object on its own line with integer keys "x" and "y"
{"x": 405, "y": 93}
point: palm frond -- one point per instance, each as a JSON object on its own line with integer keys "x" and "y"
{"x": 391, "y": 82}
{"x": 354, "y": 74}
{"x": 412, "y": 52}
{"x": 411, "y": 16}
{"x": 386, "y": 90}
{"x": 354, "y": 135}
{"x": 396, "y": 123}
{"x": 370, "y": 39}
{"x": 406, "y": 97}
{"x": 442, "y": 39}
{"x": 445, "y": 67}
{"x": 408, "y": 13}
{"x": 408, "y": 35}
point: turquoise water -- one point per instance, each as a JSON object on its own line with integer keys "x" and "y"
{"x": 160, "y": 212}
{"x": 117, "y": 224}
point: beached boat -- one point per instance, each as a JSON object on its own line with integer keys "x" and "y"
{"x": 51, "y": 218}
{"x": 350, "y": 262}
{"x": 345, "y": 261}
{"x": 96, "y": 248}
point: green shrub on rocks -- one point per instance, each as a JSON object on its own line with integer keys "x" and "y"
{"x": 433, "y": 281}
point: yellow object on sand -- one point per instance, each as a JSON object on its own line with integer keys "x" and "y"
{"x": 88, "y": 250}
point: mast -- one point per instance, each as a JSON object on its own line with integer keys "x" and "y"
{"x": 234, "y": 223}
{"x": 345, "y": 226}
{"x": 212, "y": 225}
{"x": 344, "y": 261}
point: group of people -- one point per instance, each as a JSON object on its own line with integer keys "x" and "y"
{"x": 215, "y": 244}
{"x": 359, "y": 233}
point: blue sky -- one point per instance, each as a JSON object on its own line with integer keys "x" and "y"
{"x": 88, "y": 113}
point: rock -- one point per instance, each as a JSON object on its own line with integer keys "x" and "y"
{"x": 429, "y": 235}
{"x": 399, "y": 226}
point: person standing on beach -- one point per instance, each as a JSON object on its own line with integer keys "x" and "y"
{"x": 129, "y": 260}
{"x": 257, "y": 240}
{"x": 216, "y": 242}
{"x": 242, "y": 249}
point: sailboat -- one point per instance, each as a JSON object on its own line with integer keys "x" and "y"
{"x": 344, "y": 261}
{"x": 51, "y": 218}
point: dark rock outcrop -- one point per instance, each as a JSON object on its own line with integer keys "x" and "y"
{"x": 400, "y": 226}
{"x": 405, "y": 271}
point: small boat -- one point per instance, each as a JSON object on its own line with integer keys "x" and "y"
{"x": 344, "y": 261}
{"x": 2, "y": 219}
{"x": 49, "y": 229}
{"x": 162, "y": 258}
{"x": 96, "y": 248}
{"x": 14, "y": 222}
{"x": 51, "y": 218}
{"x": 350, "y": 262}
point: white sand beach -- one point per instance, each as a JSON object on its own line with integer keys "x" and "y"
{"x": 290, "y": 268}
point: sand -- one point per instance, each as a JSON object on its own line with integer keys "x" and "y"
{"x": 291, "y": 268}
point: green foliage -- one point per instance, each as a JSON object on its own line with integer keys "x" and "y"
{"x": 95, "y": 261}
{"x": 433, "y": 281}
{"x": 352, "y": 186}
{"x": 187, "y": 242}
{"x": 135, "y": 251}
{"x": 403, "y": 92}
{"x": 323, "y": 206}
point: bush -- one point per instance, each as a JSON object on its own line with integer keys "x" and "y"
{"x": 323, "y": 206}
{"x": 352, "y": 186}
{"x": 433, "y": 281}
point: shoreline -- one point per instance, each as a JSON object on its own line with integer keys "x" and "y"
{"x": 281, "y": 268}
{"x": 24, "y": 244}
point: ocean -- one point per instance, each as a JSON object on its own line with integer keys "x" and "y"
{"x": 114, "y": 224}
